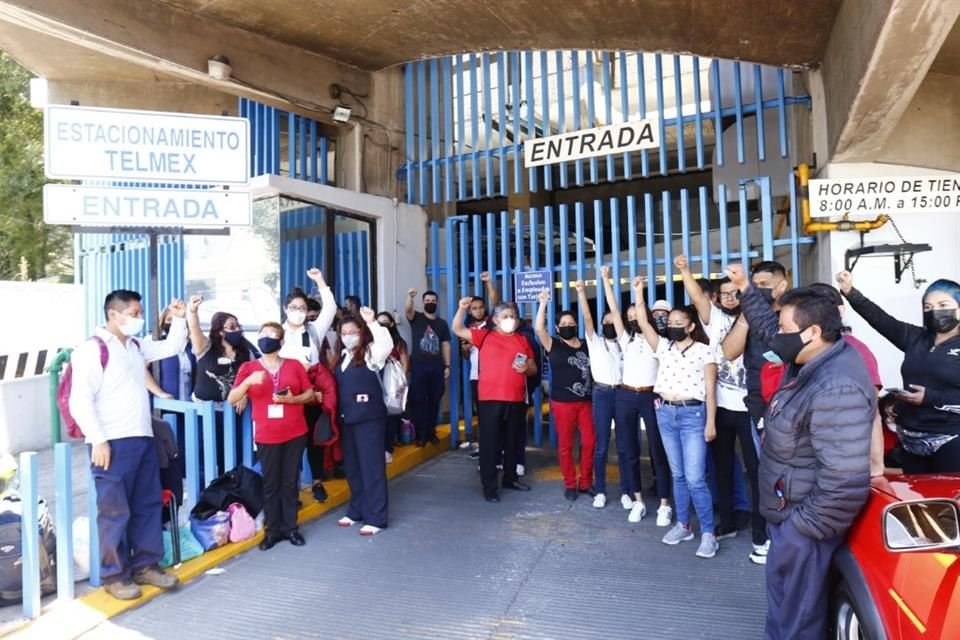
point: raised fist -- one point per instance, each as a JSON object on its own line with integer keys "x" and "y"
{"x": 738, "y": 276}
{"x": 317, "y": 276}
{"x": 178, "y": 308}
{"x": 605, "y": 272}
{"x": 485, "y": 276}
{"x": 195, "y": 302}
{"x": 544, "y": 296}
{"x": 465, "y": 302}
{"x": 368, "y": 314}
{"x": 411, "y": 293}
{"x": 681, "y": 263}
{"x": 845, "y": 281}
{"x": 579, "y": 286}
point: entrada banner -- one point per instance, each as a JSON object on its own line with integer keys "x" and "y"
{"x": 591, "y": 143}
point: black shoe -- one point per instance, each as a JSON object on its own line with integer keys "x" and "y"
{"x": 491, "y": 497}
{"x": 296, "y": 539}
{"x": 570, "y": 494}
{"x": 516, "y": 486}
{"x": 474, "y": 455}
{"x": 299, "y": 505}
{"x": 339, "y": 473}
{"x": 725, "y": 532}
{"x": 742, "y": 520}
{"x": 269, "y": 542}
{"x": 319, "y": 493}
{"x": 590, "y": 491}
{"x": 421, "y": 444}
{"x": 434, "y": 440}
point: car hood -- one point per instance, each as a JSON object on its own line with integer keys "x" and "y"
{"x": 918, "y": 487}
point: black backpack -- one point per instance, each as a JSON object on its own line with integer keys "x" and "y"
{"x": 11, "y": 553}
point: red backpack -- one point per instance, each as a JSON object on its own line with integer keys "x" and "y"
{"x": 66, "y": 385}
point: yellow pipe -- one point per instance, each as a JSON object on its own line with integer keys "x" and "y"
{"x": 809, "y": 226}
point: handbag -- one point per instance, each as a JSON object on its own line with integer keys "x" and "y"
{"x": 394, "y": 381}
{"x": 212, "y": 532}
{"x": 242, "y": 526}
{"x": 323, "y": 433}
{"x": 240, "y": 484}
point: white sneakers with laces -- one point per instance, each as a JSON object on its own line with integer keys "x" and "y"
{"x": 664, "y": 516}
{"x": 626, "y": 502}
{"x": 760, "y": 551}
{"x": 708, "y": 546}
{"x": 521, "y": 470}
{"x": 599, "y": 501}
{"x": 637, "y": 511}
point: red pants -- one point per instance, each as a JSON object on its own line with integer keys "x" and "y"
{"x": 568, "y": 417}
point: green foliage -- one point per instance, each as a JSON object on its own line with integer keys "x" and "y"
{"x": 24, "y": 238}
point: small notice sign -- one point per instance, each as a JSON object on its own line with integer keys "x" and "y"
{"x": 889, "y": 194}
{"x": 527, "y": 285}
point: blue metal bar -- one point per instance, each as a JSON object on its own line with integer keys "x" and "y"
{"x": 703, "y": 197}
{"x": 698, "y": 98}
{"x": 324, "y": 165}
{"x": 642, "y": 100}
{"x": 738, "y": 93}
{"x": 30, "y": 534}
{"x": 565, "y": 257}
{"x": 531, "y": 120}
{"x": 208, "y": 414}
{"x": 434, "y": 256}
{"x": 464, "y": 289}
{"x": 651, "y": 248}
{"x": 552, "y": 308}
{"x": 684, "y": 236}
{"x": 608, "y": 105}
{"x": 782, "y": 113}
{"x": 63, "y": 472}
{"x": 229, "y": 437}
{"x": 274, "y": 142}
{"x": 678, "y": 90}
{"x": 758, "y": 93}
{"x": 291, "y": 145}
{"x": 422, "y": 129}
{"x": 306, "y": 477}
{"x": 631, "y": 244}
{"x": 518, "y": 242}
{"x": 435, "y": 127}
{"x": 658, "y": 60}
{"x": 615, "y": 244}
{"x": 744, "y": 227}
{"x": 667, "y": 245}
{"x": 488, "y": 120}
{"x": 598, "y": 256}
{"x": 492, "y": 246}
{"x": 766, "y": 216}
{"x": 577, "y": 108}
{"x": 545, "y": 100}
{"x": 312, "y": 174}
{"x": 505, "y": 255}
{"x": 794, "y": 226}
{"x": 591, "y": 111}
{"x": 447, "y": 127}
{"x": 461, "y": 134}
{"x": 476, "y": 237}
{"x": 192, "y": 452}
{"x": 717, "y": 107}
{"x": 578, "y": 213}
{"x": 474, "y": 128}
{"x": 247, "y": 437}
{"x": 502, "y": 120}
{"x": 561, "y": 114}
{"x": 535, "y": 265}
{"x": 93, "y": 531}
{"x": 625, "y": 111}
{"x": 302, "y": 148}
{"x": 517, "y": 163}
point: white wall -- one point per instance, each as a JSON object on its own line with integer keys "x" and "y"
{"x": 38, "y": 315}
{"x": 875, "y": 276}
{"x": 24, "y": 414}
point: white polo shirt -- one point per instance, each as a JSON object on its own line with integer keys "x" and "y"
{"x": 606, "y": 360}
{"x": 639, "y": 361}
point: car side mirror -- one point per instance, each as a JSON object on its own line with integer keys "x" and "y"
{"x": 921, "y": 525}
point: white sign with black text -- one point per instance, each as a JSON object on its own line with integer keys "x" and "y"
{"x": 119, "y": 207}
{"x": 123, "y": 145}
{"x": 591, "y": 143}
{"x": 888, "y": 194}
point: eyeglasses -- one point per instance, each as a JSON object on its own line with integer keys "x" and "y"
{"x": 729, "y": 295}
{"x": 292, "y": 308}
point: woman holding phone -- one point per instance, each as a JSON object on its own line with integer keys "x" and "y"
{"x": 277, "y": 389}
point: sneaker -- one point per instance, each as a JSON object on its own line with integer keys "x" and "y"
{"x": 346, "y": 522}
{"x": 724, "y": 533}
{"x": 123, "y": 590}
{"x": 599, "y": 501}
{"x": 465, "y": 444}
{"x": 369, "y": 530}
{"x": 570, "y": 494}
{"x": 319, "y": 492}
{"x": 389, "y": 457}
{"x": 708, "y": 546}
{"x": 760, "y": 551}
{"x": 156, "y": 578}
{"x": 664, "y": 516}
{"x": 679, "y": 533}
{"x": 474, "y": 455}
{"x": 637, "y": 512}
{"x": 521, "y": 470}
{"x": 626, "y": 502}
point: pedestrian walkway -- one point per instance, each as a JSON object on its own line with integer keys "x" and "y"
{"x": 454, "y": 566}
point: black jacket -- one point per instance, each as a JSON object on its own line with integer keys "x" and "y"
{"x": 936, "y": 367}
{"x": 816, "y": 444}
{"x": 764, "y": 324}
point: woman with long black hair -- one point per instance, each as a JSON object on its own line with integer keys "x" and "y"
{"x": 401, "y": 355}
{"x": 928, "y": 406}
{"x": 364, "y": 347}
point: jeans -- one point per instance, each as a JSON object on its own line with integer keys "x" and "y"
{"x": 426, "y": 391}
{"x": 681, "y": 428}
{"x": 604, "y": 406}
{"x": 569, "y": 417}
{"x": 631, "y": 408}
{"x": 731, "y": 426}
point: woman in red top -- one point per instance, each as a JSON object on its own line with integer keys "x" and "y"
{"x": 277, "y": 389}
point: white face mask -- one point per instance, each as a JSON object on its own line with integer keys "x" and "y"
{"x": 296, "y": 318}
{"x": 508, "y": 325}
{"x": 350, "y": 341}
{"x": 132, "y": 326}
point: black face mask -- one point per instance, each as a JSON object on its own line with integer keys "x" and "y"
{"x": 269, "y": 345}
{"x": 634, "y": 326}
{"x": 766, "y": 293}
{"x": 660, "y": 322}
{"x": 940, "y": 320}
{"x": 677, "y": 334}
{"x": 731, "y": 312}
{"x": 609, "y": 332}
{"x": 567, "y": 332}
{"x": 233, "y": 338}
{"x": 788, "y": 346}
{"x": 430, "y": 307}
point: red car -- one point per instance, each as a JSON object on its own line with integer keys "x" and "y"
{"x": 898, "y": 576}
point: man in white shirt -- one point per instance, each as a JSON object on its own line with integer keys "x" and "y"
{"x": 110, "y": 404}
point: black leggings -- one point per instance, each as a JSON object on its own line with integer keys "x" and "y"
{"x": 733, "y": 426}
{"x": 945, "y": 460}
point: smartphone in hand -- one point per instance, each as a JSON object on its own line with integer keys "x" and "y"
{"x": 284, "y": 392}
{"x": 520, "y": 360}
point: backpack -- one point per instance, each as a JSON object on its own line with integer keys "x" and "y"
{"x": 11, "y": 553}
{"x": 394, "y": 382}
{"x": 66, "y": 385}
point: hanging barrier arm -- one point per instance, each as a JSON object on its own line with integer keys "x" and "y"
{"x": 811, "y": 227}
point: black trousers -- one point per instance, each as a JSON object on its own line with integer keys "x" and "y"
{"x": 731, "y": 426}
{"x": 797, "y": 571}
{"x": 423, "y": 402}
{"x": 501, "y": 427}
{"x": 366, "y": 470}
{"x": 281, "y": 477}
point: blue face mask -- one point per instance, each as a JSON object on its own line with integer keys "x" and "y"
{"x": 269, "y": 345}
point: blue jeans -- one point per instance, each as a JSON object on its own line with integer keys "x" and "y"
{"x": 604, "y": 407}
{"x": 681, "y": 429}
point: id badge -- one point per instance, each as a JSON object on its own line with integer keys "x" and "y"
{"x": 275, "y": 411}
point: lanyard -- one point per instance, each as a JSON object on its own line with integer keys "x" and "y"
{"x": 274, "y": 377}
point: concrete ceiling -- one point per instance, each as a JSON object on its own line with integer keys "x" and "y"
{"x": 373, "y": 34}
{"x": 947, "y": 61}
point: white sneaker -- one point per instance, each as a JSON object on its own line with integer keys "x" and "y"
{"x": 708, "y": 546}
{"x": 679, "y": 533}
{"x": 389, "y": 457}
{"x": 521, "y": 470}
{"x": 369, "y": 530}
{"x": 626, "y": 501}
{"x": 465, "y": 445}
{"x": 760, "y": 551}
{"x": 637, "y": 512}
{"x": 346, "y": 522}
{"x": 599, "y": 501}
{"x": 664, "y": 516}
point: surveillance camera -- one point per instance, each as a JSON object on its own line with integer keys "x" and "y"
{"x": 218, "y": 67}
